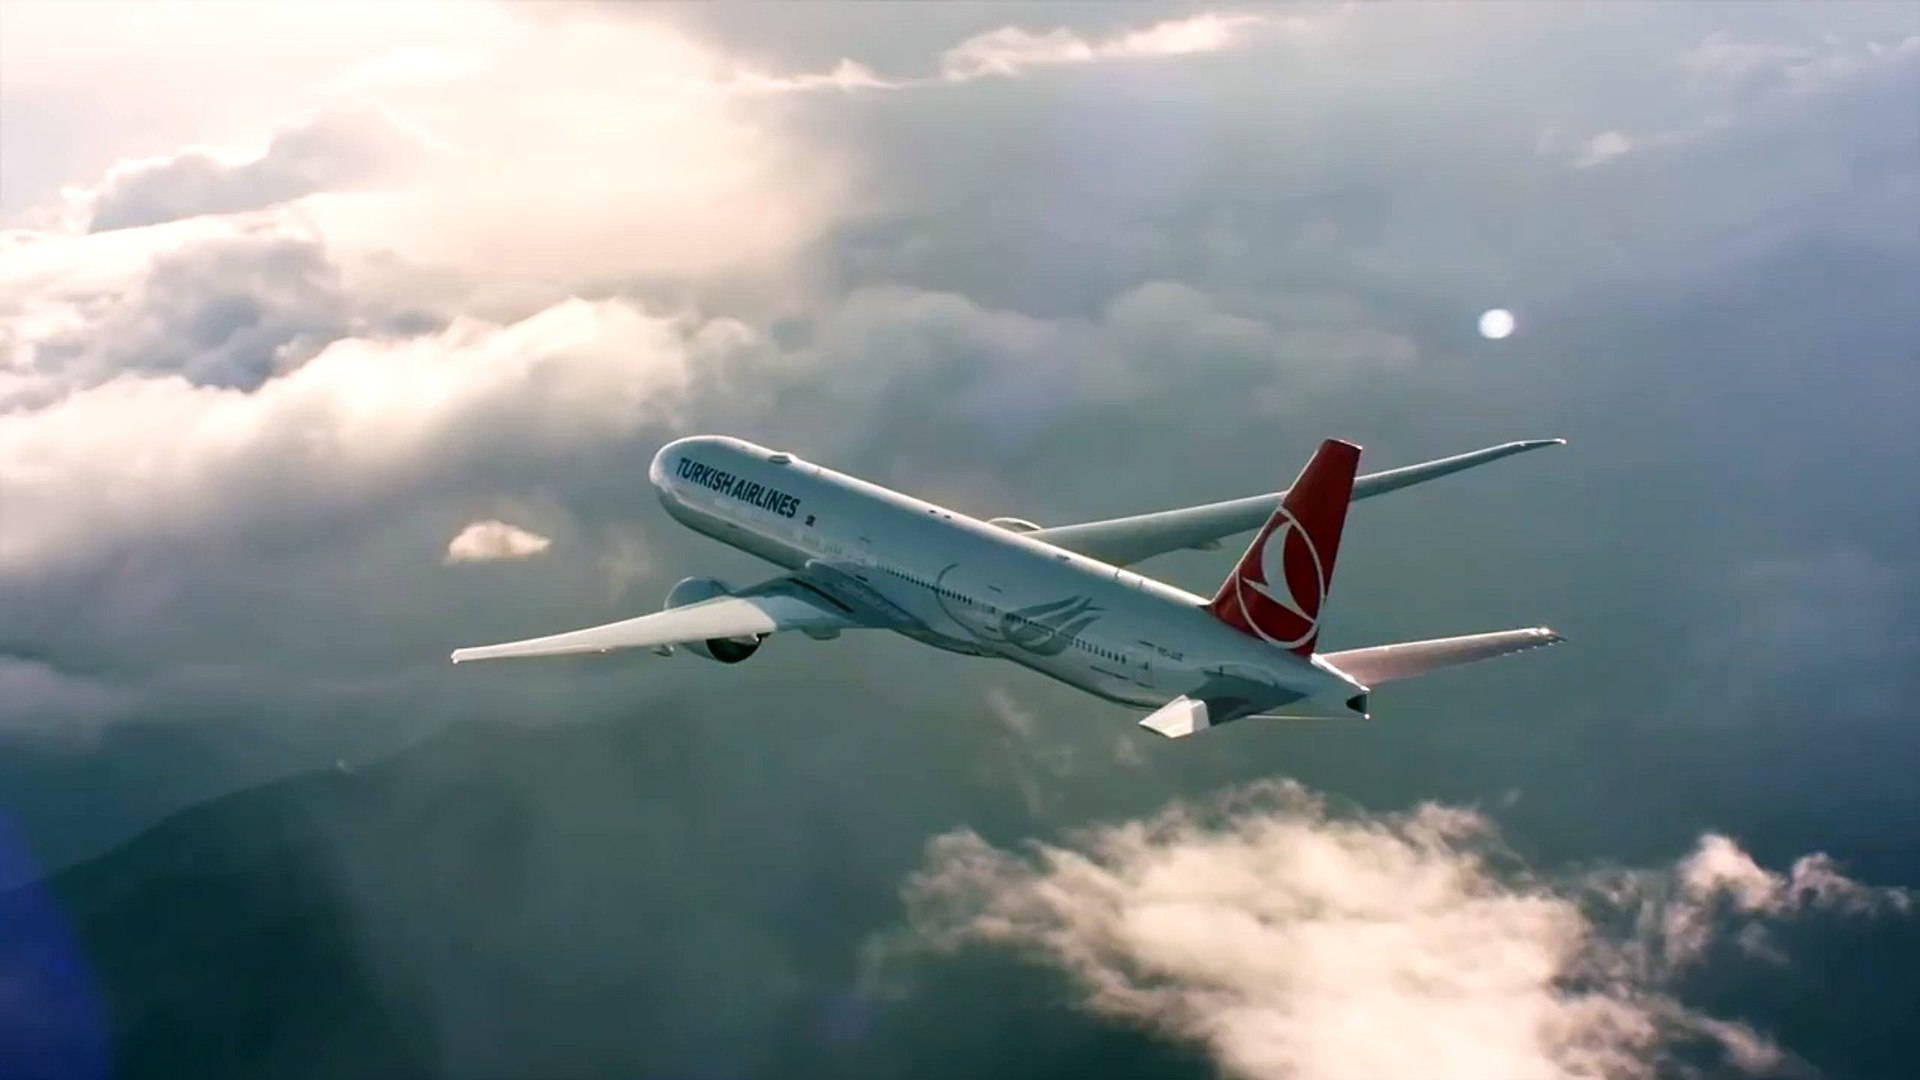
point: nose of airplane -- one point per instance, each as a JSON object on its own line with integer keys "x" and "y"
{"x": 713, "y": 449}
{"x": 669, "y": 456}
{"x": 662, "y": 460}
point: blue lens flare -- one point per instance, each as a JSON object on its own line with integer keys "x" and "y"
{"x": 52, "y": 1022}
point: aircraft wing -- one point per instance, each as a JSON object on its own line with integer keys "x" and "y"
{"x": 1390, "y": 663}
{"x": 768, "y": 608}
{"x": 1127, "y": 540}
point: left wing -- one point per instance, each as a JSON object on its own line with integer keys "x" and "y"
{"x": 1127, "y": 540}
{"x": 780, "y": 604}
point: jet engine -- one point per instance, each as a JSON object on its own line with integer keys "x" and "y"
{"x": 724, "y": 650}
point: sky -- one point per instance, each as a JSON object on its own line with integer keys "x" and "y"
{"x": 335, "y": 336}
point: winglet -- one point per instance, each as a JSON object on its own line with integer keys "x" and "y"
{"x": 1276, "y": 591}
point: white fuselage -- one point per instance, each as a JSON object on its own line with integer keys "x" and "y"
{"x": 972, "y": 587}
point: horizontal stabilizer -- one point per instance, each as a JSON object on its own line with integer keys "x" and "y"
{"x": 1366, "y": 487}
{"x": 1391, "y": 663}
{"x": 1128, "y": 540}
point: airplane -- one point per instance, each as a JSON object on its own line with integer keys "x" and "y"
{"x": 1060, "y": 600}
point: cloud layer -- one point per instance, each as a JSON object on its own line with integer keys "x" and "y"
{"x": 329, "y": 152}
{"x": 367, "y": 275}
{"x": 1299, "y": 944}
{"x": 1012, "y": 50}
{"x": 160, "y": 457}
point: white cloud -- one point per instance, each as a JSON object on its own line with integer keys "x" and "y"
{"x": 227, "y": 82}
{"x": 221, "y": 301}
{"x": 1601, "y": 149}
{"x": 1722, "y": 56}
{"x": 1724, "y": 59}
{"x": 1839, "y": 66}
{"x": 490, "y": 541}
{"x": 1010, "y": 51}
{"x": 330, "y": 151}
{"x": 845, "y": 75}
{"x": 1298, "y": 944}
{"x": 283, "y": 320}
{"x": 1719, "y": 878}
{"x": 409, "y": 65}
{"x": 582, "y": 150}
{"x": 1751, "y": 82}
{"x": 571, "y": 148}
{"x": 158, "y": 456}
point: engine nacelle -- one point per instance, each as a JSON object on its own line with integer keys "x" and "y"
{"x": 695, "y": 589}
{"x": 1014, "y": 524}
{"x": 722, "y": 650}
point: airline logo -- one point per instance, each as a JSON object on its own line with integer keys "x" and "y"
{"x": 1048, "y": 629}
{"x": 1277, "y": 590}
{"x": 751, "y": 492}
{"x": 1282, "y": 584}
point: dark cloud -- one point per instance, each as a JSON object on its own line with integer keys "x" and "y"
{"x": 226, "y": 305}
{"x": 1281, "y": 165}
{"x": 227, "y": 312}
{"x": 38, "y": 700}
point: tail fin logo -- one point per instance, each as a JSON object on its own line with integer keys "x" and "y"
{"x": 1281, "y": 586}
{"x": 1276, "y": 591}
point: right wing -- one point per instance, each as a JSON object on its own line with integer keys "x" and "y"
{"x": 1390, "y": 663}
{"x": 780, "y": 604}
{"x": 1127, "y": 540}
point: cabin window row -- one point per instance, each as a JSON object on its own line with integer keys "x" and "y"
{"x": 948, "y": 593}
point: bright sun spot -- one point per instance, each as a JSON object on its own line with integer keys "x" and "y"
{"x": 1496, "y": 323}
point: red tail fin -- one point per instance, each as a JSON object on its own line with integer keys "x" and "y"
{"x": 1276, "y": 591}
